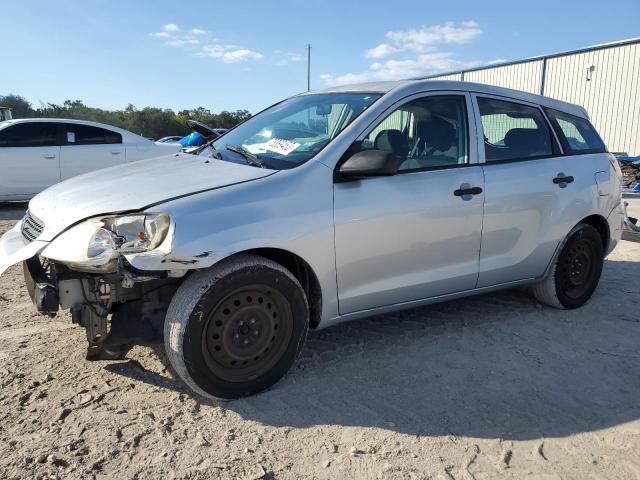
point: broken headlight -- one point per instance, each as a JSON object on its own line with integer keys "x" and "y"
{"x": 94, "y": 243}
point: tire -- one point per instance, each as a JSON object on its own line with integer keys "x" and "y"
{"x": 236, "y": 329}
{"x": 576, "y": 271}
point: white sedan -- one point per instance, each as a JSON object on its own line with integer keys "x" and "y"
{"x": 36, "y": 153}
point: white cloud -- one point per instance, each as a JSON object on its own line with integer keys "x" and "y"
{"x": 229, "y": 53}
{"x": 175, "y": 37}
{"x": 420, "y": 39}
{"x": 415, "y": 53}
{"x": 382, "y": 50}
{"x": 194, "y": 38}
{"x": 181, "y": 42}
{"x": 284, "y": 58}
{"x": 422, "y": 65}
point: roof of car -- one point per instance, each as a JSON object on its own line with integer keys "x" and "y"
{"x": 421, "y": 85}
{"x": 68, "y": 120}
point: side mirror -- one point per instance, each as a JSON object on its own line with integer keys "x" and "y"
{"x": 369, "y": 163}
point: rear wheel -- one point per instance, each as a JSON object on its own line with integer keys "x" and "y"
{"x": 576, "y": 271}
{"x": 236, "y": 329}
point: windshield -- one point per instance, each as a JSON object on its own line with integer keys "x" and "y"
{"x": 293, "y": 131}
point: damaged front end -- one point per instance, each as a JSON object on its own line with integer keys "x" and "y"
{"x": 117, "y": 310}
{"x": 86, "y": 270}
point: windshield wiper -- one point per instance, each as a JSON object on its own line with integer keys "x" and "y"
{"x": 248, "y": 156}
{"x": 205, "y": 145}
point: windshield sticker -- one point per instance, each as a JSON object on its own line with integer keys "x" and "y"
{"x": 71, "y": 137}
{"x": 281, "y": 146}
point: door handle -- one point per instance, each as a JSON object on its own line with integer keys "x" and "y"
{"x": 115, "y": 153}
{"x": 49, "y": 155}
{"x": 563, "y": 180}
{"x": 467, "y": 190}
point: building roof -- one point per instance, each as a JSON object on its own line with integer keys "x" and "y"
{"x": 601, "y": 46}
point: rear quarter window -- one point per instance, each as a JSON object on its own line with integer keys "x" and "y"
{"x": 112, "y": 137}
{"x": 576, "y": 134}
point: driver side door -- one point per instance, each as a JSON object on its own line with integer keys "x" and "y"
{"x": 413, "y": 235}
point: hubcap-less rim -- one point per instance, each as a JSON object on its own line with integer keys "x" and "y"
{"x": 577, "y": 269}
{"x": 247, "y": 333}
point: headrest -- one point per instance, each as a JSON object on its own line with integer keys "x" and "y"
{"x": 525, "y": 139}
{"x": 392, "y": 141}
{"x": 437, "y": 133}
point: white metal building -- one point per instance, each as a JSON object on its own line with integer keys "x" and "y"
{"x": 604, "y": 79}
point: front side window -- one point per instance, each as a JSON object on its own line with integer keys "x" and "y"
{"x": 429, "y": 132}
{"x": 32, "y": 134}
{"x": 513, "y": 131}
{"x": 576, "y": 134}
{"x": 295, "y": 130}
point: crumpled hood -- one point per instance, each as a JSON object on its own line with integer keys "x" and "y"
{"x": 134, "y": 186}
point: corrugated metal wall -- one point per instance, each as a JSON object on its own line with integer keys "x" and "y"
{"x": 611, "y": 96}
{"x": 610, "y": 92}
{"x": 522, "y": 76}
{"x": 453, "y": 77}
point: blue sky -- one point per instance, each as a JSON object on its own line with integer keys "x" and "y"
{"x": 249, "y": 54}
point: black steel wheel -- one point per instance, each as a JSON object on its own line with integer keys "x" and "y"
{"x": 576, "y": 272}
{"x": 247, "y": 332}
{"x": 236, "y": 329}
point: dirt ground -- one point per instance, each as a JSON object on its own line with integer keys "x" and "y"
{"x": 494, "y": 386}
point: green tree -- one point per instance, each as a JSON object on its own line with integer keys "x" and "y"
{"x": 19, "y": 106}
{"x": 149, "y": 122}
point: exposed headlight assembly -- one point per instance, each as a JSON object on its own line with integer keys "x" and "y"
{"x": 94, "y": 244}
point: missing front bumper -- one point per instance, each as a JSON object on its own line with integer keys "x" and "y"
{"x": 41, "y": 287}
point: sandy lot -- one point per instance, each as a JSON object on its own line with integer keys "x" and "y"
{"x": 495, "y": 386}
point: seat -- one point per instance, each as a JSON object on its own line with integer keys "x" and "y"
{"x": 436, "y": 135}
{"x": 392, "y": 141}
{"x": 526, "y": 142}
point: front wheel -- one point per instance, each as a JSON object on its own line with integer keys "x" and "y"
{"x": 237, "y": 328}
{"x": 576, "y": 271}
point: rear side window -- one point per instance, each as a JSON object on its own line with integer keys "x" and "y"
{"x": 33, "y": 134}
{"x": 84, "y": 135}
{"x": 576, "y": 134}
{"x": 513, "y": 131}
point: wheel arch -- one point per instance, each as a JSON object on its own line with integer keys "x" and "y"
{"x": 602, "y": 226}
{"x": 303, "y": 272}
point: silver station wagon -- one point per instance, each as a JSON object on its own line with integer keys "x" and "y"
{"x": 325, "y": 207}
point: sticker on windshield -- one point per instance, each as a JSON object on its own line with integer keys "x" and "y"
{"x": 283, "y": 147}
{"x": 71, "y": 137}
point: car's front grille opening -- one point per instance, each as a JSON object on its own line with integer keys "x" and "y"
{"x": 31, "y": 227}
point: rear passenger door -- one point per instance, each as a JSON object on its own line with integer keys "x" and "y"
{"x": 29, "y": 159}
{"x": 86, "y": 148}
{"x": 526, "y": 200}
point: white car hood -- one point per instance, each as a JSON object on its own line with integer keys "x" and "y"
{"x": 134, "y": 186}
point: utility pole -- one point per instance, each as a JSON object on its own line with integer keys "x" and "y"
{"x": 308, "y": 47}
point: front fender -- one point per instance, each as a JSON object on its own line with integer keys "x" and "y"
{"x": 291, "y": 211}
